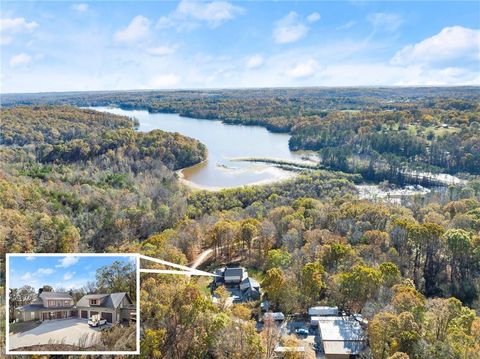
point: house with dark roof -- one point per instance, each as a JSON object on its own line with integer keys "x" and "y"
{"x": 236, "y": 279}
{"x": 114, "y": 307}
{"x": 47, "y": 306}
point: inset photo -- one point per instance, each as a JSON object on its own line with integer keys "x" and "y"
{"x": 72, "y": 303}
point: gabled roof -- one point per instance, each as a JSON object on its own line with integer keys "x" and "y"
{"x": 252, "y": 283}
{"x": 234, "y": 272}
{"x": 55, "y": 295}
{"x": 106, "y": 300}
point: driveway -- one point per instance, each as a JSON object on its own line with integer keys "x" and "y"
{"x": 65, "y": 331}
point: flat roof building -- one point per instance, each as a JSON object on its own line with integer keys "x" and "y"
{"x": 342, "y": 337}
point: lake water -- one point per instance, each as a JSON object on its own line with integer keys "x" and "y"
{"x": 224, "y": 143}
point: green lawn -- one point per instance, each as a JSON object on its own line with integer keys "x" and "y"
{"x": 22, "y": 326}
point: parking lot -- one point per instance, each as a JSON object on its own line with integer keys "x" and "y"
{"x": 67, "y": 331}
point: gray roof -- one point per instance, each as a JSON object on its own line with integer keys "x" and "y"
{"x": 55, "y": 295}
{"x": 36, "y": 307}
{"x": 96, "y": 296}
{"x": 251, "y": 282}
{"x": 106, "y": 300}
{"x": 234, "y": 272}
{"x": 31, "y": 307}
{"x": 340, "y": 329}
{"x": 340, "y": 347}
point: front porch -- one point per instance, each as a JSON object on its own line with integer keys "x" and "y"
{"x": 58, "y": 314}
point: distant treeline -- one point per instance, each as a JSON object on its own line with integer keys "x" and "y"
{"x": 435, "y": 128}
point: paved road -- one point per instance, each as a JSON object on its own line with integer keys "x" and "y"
{"x": 67, "y": 331}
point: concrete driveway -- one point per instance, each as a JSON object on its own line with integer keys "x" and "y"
{"x": 73, "y": 331}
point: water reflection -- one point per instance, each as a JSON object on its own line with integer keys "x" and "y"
{"x": 224, "y": 142}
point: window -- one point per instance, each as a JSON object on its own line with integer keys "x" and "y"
{"x": 67, "y": 302}
{"x": 93, "y": 302}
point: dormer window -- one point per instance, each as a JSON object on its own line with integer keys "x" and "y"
{"x": 93, "y": 302}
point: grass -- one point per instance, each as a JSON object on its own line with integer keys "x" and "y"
{"x": 203, "y": 283}
{"x": 22, "y": 326}
{"x": 256, "y": 274}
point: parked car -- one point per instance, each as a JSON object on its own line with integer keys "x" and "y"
{"x": 93, "y": 322}
{"x": 301, "y": 331}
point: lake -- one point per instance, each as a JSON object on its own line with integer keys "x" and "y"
{"x": 224, "y": 143}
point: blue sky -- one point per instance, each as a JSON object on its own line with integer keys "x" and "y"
{"x": 69, "y": 272}
{"x": 115, "y": 45}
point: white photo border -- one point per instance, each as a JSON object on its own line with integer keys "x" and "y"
{"x": 7, "y": 304}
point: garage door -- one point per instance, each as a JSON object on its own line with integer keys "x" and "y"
{"x": 92, "y": 313}
{"x": 84, "y": 314}
{"x": 107, "y": 316}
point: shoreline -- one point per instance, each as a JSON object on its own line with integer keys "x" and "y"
{"x": 181, "y": 177}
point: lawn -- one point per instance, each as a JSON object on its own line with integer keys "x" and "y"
{"x": 23, "y": 326}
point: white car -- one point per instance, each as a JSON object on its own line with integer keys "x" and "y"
{"x": 97, "y": 322}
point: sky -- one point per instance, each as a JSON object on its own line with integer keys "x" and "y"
{"x": 68, "y": 272}
{"x": 120, "y": 45}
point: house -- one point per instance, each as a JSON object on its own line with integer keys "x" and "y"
{"x": 250, "y": 289}
{"x": 230, "y": 275}
{"x": 342, "y": 337}
{"x": 115, "y": 307}
{"x": 237, "y": 281}
{"x": 47, "y": 306}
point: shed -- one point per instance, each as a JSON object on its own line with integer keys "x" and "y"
{"x": 323, "y": 311}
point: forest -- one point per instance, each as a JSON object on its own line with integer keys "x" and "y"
{"x": 377, "y": 132}
{"x": 77, "y": 180}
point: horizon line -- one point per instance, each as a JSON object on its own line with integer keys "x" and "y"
{"x": 206, "y": 89}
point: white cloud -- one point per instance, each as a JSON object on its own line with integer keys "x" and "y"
{"x": 20, "y": 59}
{"x": 289, "y": 29}
{"x": 30, "y": 258}
{"x": 137, "y": 30}
{"x": 17, "y": 25}
{"x": 164, "y": 81}
{"x": 189, "y": 13}
{"x": 66, "y": 262}
{"x": 68, "y": 275}
{"x": 454, "y": 42}
{"x": 10, "y": 27}
{"x": 385, "y": 21}
{"x": 80, "y": 7}
{"x": 313, "y": 17}
{"x": 304, "y": 69}
{"x": 26, "y": 276}
{"x": 254, "y": 61}
{"x": 161, "y": 50}
{"x": 347, "y": 25}
{"x": 45, "y": 270}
